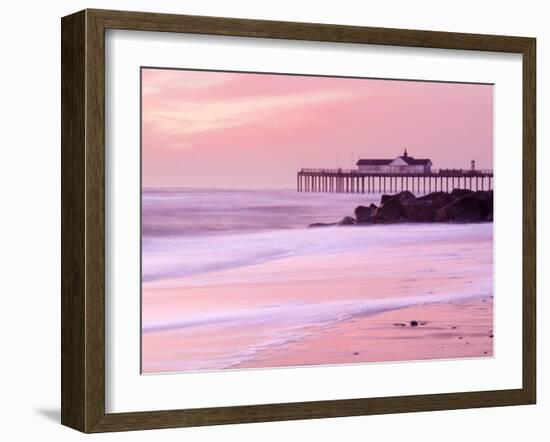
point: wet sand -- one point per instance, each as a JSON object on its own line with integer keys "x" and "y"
{"x": 461, "y": 329}
{"x": 337, "y": 308}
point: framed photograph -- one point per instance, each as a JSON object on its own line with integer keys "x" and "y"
{"x": 268, "y": 220}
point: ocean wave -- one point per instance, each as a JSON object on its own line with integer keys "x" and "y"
{"x": 176, "y": 257}
{"x": 281, "y": 324}
{"x": 191, "y": 212}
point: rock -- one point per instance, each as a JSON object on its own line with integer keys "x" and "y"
{"x": 469, "y": 208}
{"x": 487, "y": 198}
{"x": 363, "y": 215}
{"x": 460, "y": 192}
{"x": 403, "y": 206}
{"x": 385, "y": 198}
{"x": 417, "y": 211}
{"x": 321, "y": 224}
{"x": 346, "y": 221}
{"x": 391, "y": 208}
{"x": 401, "y": 196}
{"x": 461, "y": 206}
{"x": 414, "y": 323}
{"x": 439, "y": 199}
{"x": 390, "y": 211}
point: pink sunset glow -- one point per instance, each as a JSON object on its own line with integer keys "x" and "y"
{"x": 235, "y": 130}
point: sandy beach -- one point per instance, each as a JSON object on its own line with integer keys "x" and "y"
{"x": 462, "y": 329}
{"x": 352, "y": 304}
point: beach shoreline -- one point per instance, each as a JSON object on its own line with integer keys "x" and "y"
{"x": 265, "y": 313}
{"x": 439, "y": 331}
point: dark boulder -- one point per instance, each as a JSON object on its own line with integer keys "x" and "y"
{"x": 435, "y": 207}
{"x": 439, "y": 199}
{"x": 321, "y": 225}
{"x": 385, "y": 198}
{"x": 459, "y": 193}
{"x": 346, "y": 221}
{"x": 363, "y": 215}
{"x": 487, "y": 198}
{"x": 401, "y": 196}
{"x": 418, "y": 211}
{"x": 469, "y": 208}
{"x": 391, "y": 211}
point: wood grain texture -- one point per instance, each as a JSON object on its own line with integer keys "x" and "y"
{"x": 529, "y": 221}
{"x": 73, "y": 128}
{"x": 83, "y": 220}
{"x": 95, "y": 221}
{"x": 145, "y": 21}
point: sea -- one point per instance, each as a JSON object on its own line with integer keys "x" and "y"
{"x": 181, "y": 227}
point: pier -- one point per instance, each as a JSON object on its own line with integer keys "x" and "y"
{"x": 355, "y": 181}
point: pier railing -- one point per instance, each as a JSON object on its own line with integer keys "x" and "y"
{"x": 434, "y": 172}
{"x": 355, "y": 181}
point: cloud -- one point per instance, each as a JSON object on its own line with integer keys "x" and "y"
{"x": 180, "y": 120}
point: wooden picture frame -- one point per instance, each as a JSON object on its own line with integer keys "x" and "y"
{"x": 83, "y": 220}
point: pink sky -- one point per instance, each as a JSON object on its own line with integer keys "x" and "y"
{"x": 235, "y": 130}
